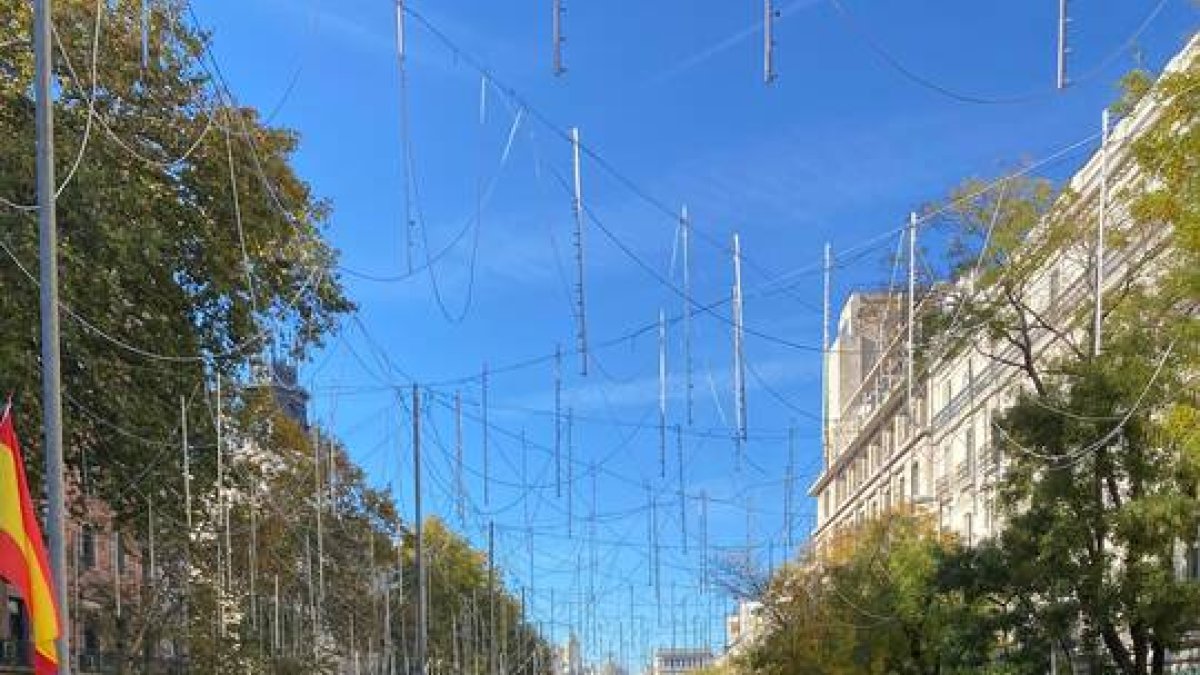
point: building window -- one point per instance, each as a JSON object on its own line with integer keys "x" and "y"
{"x": 969, "y": 524}
{"x": 971, "y": 450}
{"x": 900, "y": 494}
{"x": 91, "y": 641}
{"x": 916, "y": 479}
{"x": 18, "y": 626}
{"x": 1055, "y": 285}
{"x": 87, "y": 552}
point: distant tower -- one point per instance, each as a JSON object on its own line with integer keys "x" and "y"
{"x": 281, "y": 377}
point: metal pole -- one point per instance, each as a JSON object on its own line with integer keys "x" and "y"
{"x": 401, "y": 46}
{"x": 580, "y": 296}
{"x": 1101, "y": 223}
{"x": 558, "y": 38}
{"x": 768, "y": 42}
{"x": 825, "y": 333}
{"x": 220, "y": 580}
{"x": 912, "y": 311}
{"x": 56, "y": 530}
{"x": 319, "y": 603}
{"x": 558, "y": 421}
{"x": 422, "y": 607}
{"x": 789, "y": 488}
{"x": 739, "y": 372}
{"x": 276, "y": 632}
{"x": 704, "y": 541}
{"x": 492, "y": 598}
{"x": 460, "y": 490}
{"x": 662, "y": 393}
{"x": 683, "y": 533}
{"x": 483, "y": 413}
{"x": 1062, "y": 44}
{"x": 685, "y": 229}
{"x": 187, "y": 542}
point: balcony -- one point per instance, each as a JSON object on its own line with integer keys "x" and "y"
{"x": 16, "y": 656}
{"x": 989, "y": 462}
{"x": 964, "y": 475}
{"x": 960, "y": 401}
{"x": 103, "y": 663}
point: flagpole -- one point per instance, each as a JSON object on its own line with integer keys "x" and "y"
{"x": 51, "y": 375}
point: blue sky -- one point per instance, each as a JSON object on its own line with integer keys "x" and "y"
{"x": 669, "y": 93}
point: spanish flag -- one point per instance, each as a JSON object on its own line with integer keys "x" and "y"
{"x": 23, "y": 561}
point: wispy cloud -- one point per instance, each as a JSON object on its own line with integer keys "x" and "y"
{"x": 729, "y": 42}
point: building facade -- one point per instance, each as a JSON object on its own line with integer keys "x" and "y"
{"x": 742, "y": 627}
{"x": 676, "y": 661}
{"x": 913, "y": 424}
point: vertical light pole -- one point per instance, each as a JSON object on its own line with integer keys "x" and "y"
{"x": 51, "y": 366}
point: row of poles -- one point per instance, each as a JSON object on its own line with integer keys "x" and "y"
{"x": 49, "y": 295}
{"x": 771, "y": 14}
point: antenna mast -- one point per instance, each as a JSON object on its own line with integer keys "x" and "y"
{"x": 685, "y": 229}
{"x": 825, "y": 337}
{"x": 1102, "y": 222}
{"x": 682, "y": 493}
{"x": 422, "y": 599}
{"x": 912, "y": 310}
{"x": 484, "y": 415}
{"x": 769, "y": 14}
{"x": 459, "y": 486}
{"x": 580, "y": 297}
{"x": 559, "y": 69}
{"x": 1063, "y": 21}
{"x": 662, "y": 394}
{"x": 739, "y": 363}
{"x": 558, "y": 420}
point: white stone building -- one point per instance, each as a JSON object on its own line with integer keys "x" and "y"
{"x": 677, "y": 661}
{"x": 742, "y": 627}
{"x": 935, "y": 449}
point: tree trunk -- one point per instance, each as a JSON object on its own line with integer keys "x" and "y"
{"x": 1158, "y": 659}
{"x": 1118, "y": 650}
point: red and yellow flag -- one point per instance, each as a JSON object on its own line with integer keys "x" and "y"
{"x": 23, "y": 561}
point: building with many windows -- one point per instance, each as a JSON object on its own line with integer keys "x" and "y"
{"x": 910, "y": 421}
{"x": 679, "y": 660}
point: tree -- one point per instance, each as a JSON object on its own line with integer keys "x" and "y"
{"x": 1099, "y": 490}
{"x": 187, "y": 241}
{"x": 873, "y": 602}
{"x": 469, "y": 605}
